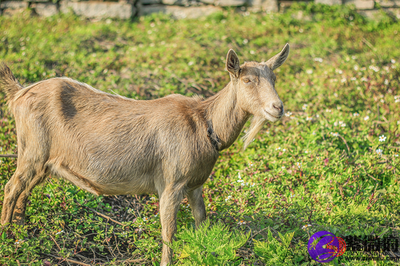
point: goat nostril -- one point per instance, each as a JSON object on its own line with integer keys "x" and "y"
{"x": 277, "y": 106}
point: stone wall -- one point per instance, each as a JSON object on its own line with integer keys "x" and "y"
{"x": 126, "y": 9}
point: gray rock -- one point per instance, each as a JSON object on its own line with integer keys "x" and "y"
{"x": 371, "y": 14}
{"x": 360, "y": 4}
{"x": 13, "y": 5}
{"x": 230, "y": 2}
{"x": 263, "y": 5}
{"x": 329, "y": 2}
{"x": 395, "y": 12}
{"x": 176, "y": 2}
{"x": 180, "y": 12}
{"x": 99, "y": 9}
{"x": 225, "y": 2}
{"x": 45, "y": 9}
{"x": 388, "y": 3}
{"x": 10, "y": 8}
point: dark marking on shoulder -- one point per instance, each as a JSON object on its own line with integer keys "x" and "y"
{"x": 68, "y": 108}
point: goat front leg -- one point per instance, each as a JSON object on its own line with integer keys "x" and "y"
{"x": 169, "y": 203}
{"x": 195, "y": 198}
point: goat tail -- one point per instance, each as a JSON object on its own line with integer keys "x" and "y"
{"x": 8, "y": 83}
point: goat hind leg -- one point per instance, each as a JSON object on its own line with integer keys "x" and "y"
{"x": 13, "y": 189}
{"x": 24, "y": 178}
{"x": 196, "y": 202}
{"x": 20, "y": 207}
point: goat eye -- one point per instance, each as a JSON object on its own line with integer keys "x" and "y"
{"x": 246, "y": 80}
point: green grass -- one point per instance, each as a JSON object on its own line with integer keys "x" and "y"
{"x": 319, "y": 166}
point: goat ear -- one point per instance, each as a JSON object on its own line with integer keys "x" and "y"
{"x": 277, "y": 60}
{"x": 232, "y": 63}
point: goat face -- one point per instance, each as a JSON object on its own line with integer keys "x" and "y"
{"x": 255, "y": 85}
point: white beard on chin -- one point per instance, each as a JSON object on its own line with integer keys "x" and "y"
{"x": 256, "y": 124}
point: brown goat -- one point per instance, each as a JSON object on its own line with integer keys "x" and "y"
{"x": 108, "y": 144}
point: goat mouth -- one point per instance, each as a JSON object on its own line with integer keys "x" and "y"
{"x": 276, "y": 117}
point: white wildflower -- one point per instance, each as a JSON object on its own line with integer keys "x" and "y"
{"x": 245, "y": 41}
{"x": 241, "y": 222}
{"x": 288, "y": 114}
{"x": 190, "y": 63}
{"x": 309, "y": 71}
{"x": 60, "y": 232}
{"x": 382, "y": 138}
{"x": 228, "y": 198}
{"x": 386, "y": 82}
{"x": 304, "y": 106}
{"x": 379, "y": 151}
{"x": 374, "y": 68}
{"x": 393, "y": 61}
{"x": 355, "y": 67}
{"x": 306, "y": 226}
{"x": 309, "y": 118}
{"x": 339, "y": 71}
{"x": 356, "y": 114}
{"x": 17, "y": 242}
{"x": 317, "y": 59}
{"x": 366, "y": 118}
{"x": 298, "y": 165}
